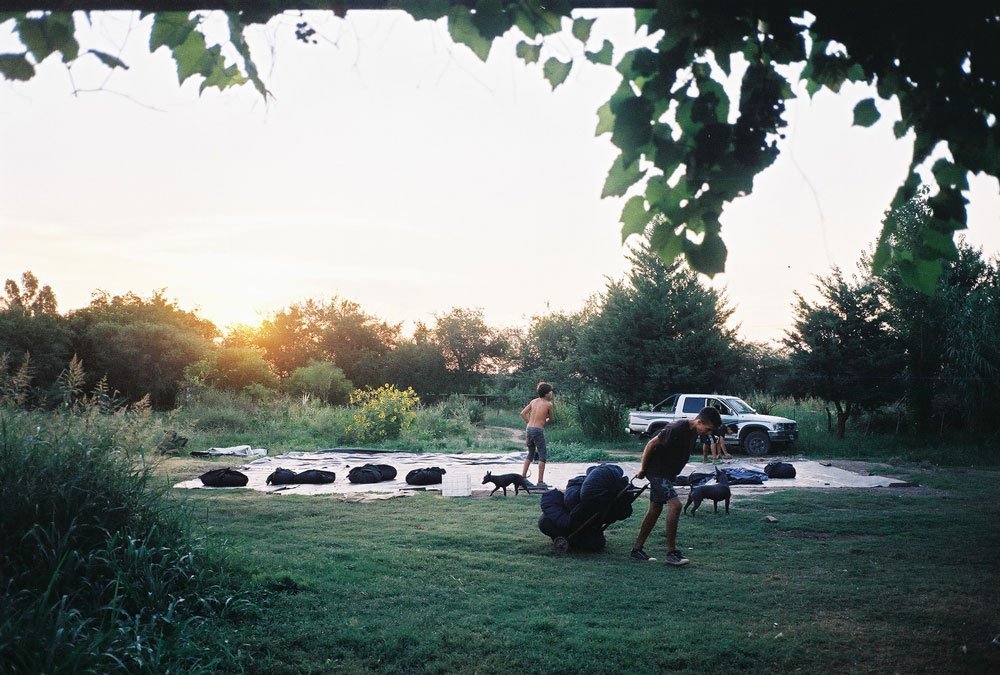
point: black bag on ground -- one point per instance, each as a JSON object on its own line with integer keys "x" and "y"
{"x": 282, "y": 477}
{"x": 388, "y": 472}
{"x": 554, "y": 509}
{"x": 429, "y": 476}
{"x": 603, "y": 483}
{"x": 368, "y": 473}
{"x": 315, "y": 477}
{"x": 223, "y": 478}
{"x": 697, "y": 478}
{"x": 779, "y": 470}
{"x": 573, "y": 487}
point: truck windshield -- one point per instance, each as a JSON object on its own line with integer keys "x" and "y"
{"x": 739, "y": 405}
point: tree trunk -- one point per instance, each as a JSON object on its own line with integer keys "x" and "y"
{"x": 843, "y": 414}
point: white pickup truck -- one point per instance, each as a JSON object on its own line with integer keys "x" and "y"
{"x": 754, "y": 433}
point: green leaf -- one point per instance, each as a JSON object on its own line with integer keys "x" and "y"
{"x": 883, "y": 249}
{"x": 709, "y": 257}
{"x": 940, "y": 243}
{"x": 222, "y": 77}
{"x": 556, "y": 72}
{"x": 900, "y": 128}
{"x": 537, "y": 22}
{"x": 621, "y": 178}
{"x": 32, "y": 34}
{"x": 634, "y": 217}
{"x": 643, "y": 17}
{"x": 713, "y": 96}
{"x": 192, "y": 57}
{"x": 605, "y": 120}
{"x": 665, "y": 242}
{"x": 950, "y": 175}
{"x": 238, "y": 41}
{"x": 427, "y": 9}
{"x": 490, "y": 19}
{"x": 581, "y": 29}
{"x": 921, "y": 274}
{"x": 108, "y": 60}
{"x": 633, "y": 128}
{"x": 528, "y": 52}
{"x": 856, "y": 73}
{"x": 865, "y": 113}
{"x": 604, "y": 56}
{"x": 465, "y": 32}
{"x": 171, "y": 29}
{"x": 16, "y": 67}
{"x": 43, "y": 36}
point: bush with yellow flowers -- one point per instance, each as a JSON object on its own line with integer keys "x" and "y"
{"x": 380, "y": 414}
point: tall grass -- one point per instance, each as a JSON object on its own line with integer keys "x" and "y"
{"x": 99, "y": 573}
{"x": 868, "y": 438}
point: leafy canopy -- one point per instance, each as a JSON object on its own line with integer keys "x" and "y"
{"x": 685, "y": 149}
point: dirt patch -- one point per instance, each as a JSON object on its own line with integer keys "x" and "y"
{"x": 514, "y": 435}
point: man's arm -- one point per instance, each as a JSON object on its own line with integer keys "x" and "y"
{"x": 552, "y": 411}
{"x": 525, "y": 414}
{"x": 646, "y": 452}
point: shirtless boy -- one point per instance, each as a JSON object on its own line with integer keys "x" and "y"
{"x": 535, "y": 415}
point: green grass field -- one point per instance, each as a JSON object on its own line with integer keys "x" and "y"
{"x": 884, "y": 580}
{"x": 107, "y": 569}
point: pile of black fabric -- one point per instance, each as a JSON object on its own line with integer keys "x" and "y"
{"x": 779, "y": 470}
{"x": 223, "y": 478}
{"x": 694, "y": 479}
{"x": 308, "y": 477}
{"x": 371, "y": 473}
{"x": 591, "y": 503}
{"x": 429, "y": 476}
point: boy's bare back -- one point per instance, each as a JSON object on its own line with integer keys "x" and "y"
{"x": 537, "y": 412}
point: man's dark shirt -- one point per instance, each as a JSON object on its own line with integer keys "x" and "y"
{"x": 674, "y": 446}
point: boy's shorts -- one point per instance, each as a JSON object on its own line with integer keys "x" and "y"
{"x": 536, "y": 444}
{"x": 661, "y": 490}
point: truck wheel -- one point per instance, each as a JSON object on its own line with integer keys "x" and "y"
{"x": 756, "y": 443}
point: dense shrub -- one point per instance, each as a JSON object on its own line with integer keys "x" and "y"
{"x": 463, "y": 408}
{"x": 382, "y": 413}
{"x": 431, "y": 424}
{"x": 99, "y": 574}
{"x": 232, "y": 369}
{"x": 321, "y": 379}
{"x": 600, "y": 415}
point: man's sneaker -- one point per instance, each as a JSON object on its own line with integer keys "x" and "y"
{"x": 676, "y": 559}
{"x": 639, "y": 554}
{"x": 542, "y": 484}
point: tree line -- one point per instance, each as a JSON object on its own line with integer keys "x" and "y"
{"x": 869, "y": 343}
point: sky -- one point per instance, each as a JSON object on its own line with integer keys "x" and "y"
{"x": 394, "y": 169}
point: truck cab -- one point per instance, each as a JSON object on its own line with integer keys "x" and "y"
{"x": 755, "y": 433}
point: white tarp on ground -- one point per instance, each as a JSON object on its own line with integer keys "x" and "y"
{"x": 235, "y": 450}
{"x": 473, "y": 466}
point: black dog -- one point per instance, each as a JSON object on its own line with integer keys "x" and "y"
{"x": 503, "y": 480}
{"x": 718, "y": 492}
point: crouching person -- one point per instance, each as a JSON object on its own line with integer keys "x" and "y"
{"x": 662, "y": 459}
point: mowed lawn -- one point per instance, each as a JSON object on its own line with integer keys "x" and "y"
{"x": 884, "y": 580}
